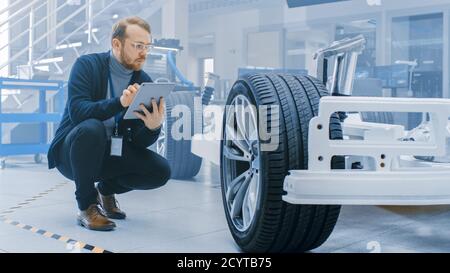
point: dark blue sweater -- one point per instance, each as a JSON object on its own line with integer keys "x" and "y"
{"x": 88, "y": 84}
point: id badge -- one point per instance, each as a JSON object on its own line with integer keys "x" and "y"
{"x": 116, "y": 146}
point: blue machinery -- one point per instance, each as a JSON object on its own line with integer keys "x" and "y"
{"x": 41, "y": 116}
{"x": 176, "y": 71}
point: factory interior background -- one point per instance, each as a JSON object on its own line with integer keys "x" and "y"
{"x": 203, "y": 44}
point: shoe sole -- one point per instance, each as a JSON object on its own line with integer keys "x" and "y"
{"x": 81, "y": 223}
{"x": 111, "y": 216}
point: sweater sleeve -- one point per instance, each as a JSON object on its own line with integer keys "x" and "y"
{"x": 144, "y": 137}
{"x": 81, "y": 102}
{"x": 138, "y": 134}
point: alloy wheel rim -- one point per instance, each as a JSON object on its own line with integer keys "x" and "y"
{"x": 241, "y": 159}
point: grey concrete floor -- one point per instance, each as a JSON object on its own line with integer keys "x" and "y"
{"x": 187, "y": 216}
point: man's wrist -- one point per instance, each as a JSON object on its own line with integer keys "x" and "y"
{"x": 118, "y": 102}
{"x": 155, "y": 129}
{"x": 121, "y": 103}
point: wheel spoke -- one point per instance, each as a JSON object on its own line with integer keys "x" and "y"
{"x": 253, "y": 127}
{"x": 253, "y": 189}
{"x": 255, "y": 163}
{"x": 230, "y": 191}
{"x": 232, "y": 155}
{"x": 238, "y": 201}
{"x": 242, "y": 145}
{"x": 253, "y": 133}
{"x": 249, "y": 204}
{"x": 240, "y": 122}
{"x": 246, "y": 209}
{"x": 231, "y": 115}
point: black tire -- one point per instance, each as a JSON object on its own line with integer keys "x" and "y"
{"x": 183, "y": 163}
{"x": 378, "y": 117}
{"x": 277, "y": 225}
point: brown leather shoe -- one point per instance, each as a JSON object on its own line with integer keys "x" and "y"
{"x": 110, "y": 207}
{"x": 93, "y": 219}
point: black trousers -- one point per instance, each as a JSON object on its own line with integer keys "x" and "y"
{"x": 84, "y": 157}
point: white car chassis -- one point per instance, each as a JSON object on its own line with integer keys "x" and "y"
{"x": 391, "y": 174}
{"x": 396, "y": 177}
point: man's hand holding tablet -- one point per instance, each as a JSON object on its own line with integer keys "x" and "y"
{"x": 154, "y": 119}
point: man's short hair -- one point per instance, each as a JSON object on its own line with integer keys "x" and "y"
{"x": 120, "y": 28}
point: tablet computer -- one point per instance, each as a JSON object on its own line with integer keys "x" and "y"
{"x": 146, "y": 92}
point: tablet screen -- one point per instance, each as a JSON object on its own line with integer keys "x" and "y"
{"x": 146, "y": 92}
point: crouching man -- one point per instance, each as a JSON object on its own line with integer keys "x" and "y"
{"x": 94, "y": 144}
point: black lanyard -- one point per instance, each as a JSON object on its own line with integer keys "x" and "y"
{"x": 116, "y": 117}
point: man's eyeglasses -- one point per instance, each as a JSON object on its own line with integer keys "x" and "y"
{"x": 141, "y": 46}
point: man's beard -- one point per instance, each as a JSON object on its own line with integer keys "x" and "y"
{"x": 129, "y": 64}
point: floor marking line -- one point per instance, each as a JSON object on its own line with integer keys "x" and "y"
{"x": 75, "y": 244}
{"x": 47, "y": 234}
